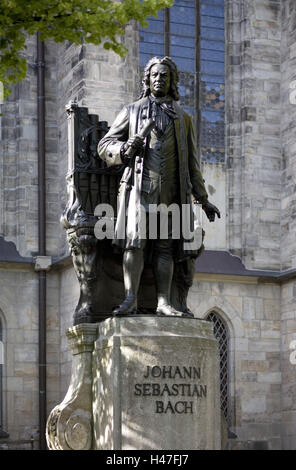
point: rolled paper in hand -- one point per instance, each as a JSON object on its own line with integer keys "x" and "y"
{"x": 130, "y": 153}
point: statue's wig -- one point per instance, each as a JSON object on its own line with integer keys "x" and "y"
{"x": 173, "y": 92}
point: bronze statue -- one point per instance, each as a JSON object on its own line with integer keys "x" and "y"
{"x": 164, "y": 170}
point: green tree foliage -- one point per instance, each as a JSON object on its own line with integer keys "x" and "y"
{"x": 78, "y": 21}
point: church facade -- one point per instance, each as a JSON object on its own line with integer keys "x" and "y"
{"x": 237, "y": 78}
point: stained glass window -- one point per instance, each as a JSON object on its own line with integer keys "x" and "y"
{"x": 191, "y": 32}
{"x": 212, "y": 98}
{"x": 152, "y": 39}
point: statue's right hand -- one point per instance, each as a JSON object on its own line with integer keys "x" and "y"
{"x": 136, "y": 142}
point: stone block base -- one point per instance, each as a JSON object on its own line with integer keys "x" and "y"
{"x": 147, "y": 382}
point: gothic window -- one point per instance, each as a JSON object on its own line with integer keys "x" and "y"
{"x": 221, "y": 334}
{"x": 191, "y": 32}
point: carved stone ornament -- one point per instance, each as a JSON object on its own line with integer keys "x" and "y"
{"x": 69, "y": 426}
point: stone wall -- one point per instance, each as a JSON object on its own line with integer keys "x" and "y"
{"x": 19, "y": 315}
{"x": 288, "y": 245}
{"x": 18, "y": 162}
{"x": 253, "y": 131}
{"x": 288, "y": 133}
{"x": 288, "y": 385}
{"x": 214, "y": 175}
{"x": 251, "y": 311}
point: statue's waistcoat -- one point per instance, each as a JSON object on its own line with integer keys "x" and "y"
{"x": 160, "y": 171}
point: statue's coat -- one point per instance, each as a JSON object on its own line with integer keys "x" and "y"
{"x": 129, "y": 122}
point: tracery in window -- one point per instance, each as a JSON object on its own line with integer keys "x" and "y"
{"x": 221, "y": 334}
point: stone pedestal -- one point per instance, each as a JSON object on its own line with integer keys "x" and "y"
{"x": 155, "y": 385}
{"x": 69, "y": 425}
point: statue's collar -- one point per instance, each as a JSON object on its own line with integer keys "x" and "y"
{"x": 163, "y": 99}
{"x": 166, "y": 104}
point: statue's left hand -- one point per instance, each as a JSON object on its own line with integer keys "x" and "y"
{"x": 211, "y": 211}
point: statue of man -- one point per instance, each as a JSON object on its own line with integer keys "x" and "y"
{"x": 165, "y": 170}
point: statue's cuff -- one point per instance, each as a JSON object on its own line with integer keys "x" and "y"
{"x": 114, "y": 154}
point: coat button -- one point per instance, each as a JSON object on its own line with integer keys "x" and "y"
{"x": 138, "y": 170}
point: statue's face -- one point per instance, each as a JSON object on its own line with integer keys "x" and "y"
{"x": 160, "y": 80}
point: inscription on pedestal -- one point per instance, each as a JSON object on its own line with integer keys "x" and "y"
{"x": 156, "y": 385}
{"x": 176, "y": 391}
